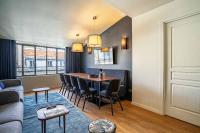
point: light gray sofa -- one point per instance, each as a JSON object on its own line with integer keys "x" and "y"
{"x": 11, "y": 106}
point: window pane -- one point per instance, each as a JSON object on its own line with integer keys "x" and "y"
{"x": 29, "y": 63}
{"x": 61, "y": 60}
{"x": 51, "y": 61}
{"x": 19, "y": 60}
{"x": 40, "y": 60}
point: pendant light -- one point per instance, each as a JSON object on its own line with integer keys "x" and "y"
{"x": 106, "y": 49}
{"x": 94, "y": 40}
{"x": 77, "y": 46}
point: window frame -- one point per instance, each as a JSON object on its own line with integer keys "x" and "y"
{"x": 57, "y": 70}
{"x": 35, "y": 60}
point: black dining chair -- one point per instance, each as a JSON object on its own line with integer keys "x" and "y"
{"x": 75, "y": 88}
{"x": 62, "y": 83}
{"x": 85, "y": 91}
{"x": 68, "y": 87}
{"x": 112, "y": 93}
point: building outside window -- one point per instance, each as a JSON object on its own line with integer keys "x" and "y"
{"x": 29, "y": 60}
{"x": 61, "y": 60}
{"x": 38, "y": 60}
{"x": 41, "y": 56}
{"x": 51, "y": 59}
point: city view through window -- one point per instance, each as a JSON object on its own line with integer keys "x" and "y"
{"x": 38, "y": 60}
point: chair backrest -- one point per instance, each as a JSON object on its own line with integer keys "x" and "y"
{"x": 62, "y": 78}
{"x": 123, "y": 75}
{"x": 74, "y": 82}
{"x": 67, "y": 80}
{"x": 83, "y": 85}
{"x": 114, "y": 86}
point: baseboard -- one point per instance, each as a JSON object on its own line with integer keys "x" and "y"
{"x": 157, "y": 111}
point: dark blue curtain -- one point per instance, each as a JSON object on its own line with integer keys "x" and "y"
{"x": 73, "y": 61}
{"x": 7, "y": 59}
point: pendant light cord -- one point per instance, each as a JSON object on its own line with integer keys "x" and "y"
{"x": 94, "y": 20}
{"x": 77, "y": 35}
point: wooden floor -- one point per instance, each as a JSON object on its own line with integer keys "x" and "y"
{"x": 137, "y": 120}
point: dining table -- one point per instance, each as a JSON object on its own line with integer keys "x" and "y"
{"x": 97, "y": 79}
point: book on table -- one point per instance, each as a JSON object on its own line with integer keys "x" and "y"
{"x": 54, "y": 112}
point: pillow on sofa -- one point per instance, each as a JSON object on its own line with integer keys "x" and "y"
{"x": 2, "y": 86}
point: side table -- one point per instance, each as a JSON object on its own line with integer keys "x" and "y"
{"x": 36, "y": 90}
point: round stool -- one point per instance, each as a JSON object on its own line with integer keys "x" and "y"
{"x": 102, "y": 126}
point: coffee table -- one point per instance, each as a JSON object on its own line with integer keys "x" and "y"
{"x": 45, "y": 89}
{"x": 43, "y": 118}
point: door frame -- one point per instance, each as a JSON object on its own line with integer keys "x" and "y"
{"x": 163, "y": 57}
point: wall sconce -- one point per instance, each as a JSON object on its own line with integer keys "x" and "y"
{"x": 89, "y": 50}
{"x": 124, "y": 44}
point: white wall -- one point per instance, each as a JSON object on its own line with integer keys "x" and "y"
{"x": 31, "y": 82}
{"x": 148, "y": 52}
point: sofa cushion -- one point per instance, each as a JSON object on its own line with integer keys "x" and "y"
{"x": 11, "y": 112}
{"x": 7, "y": 97}
{"x": 11, "y": 82}
{"x": 19, "y": 89}
{"x": 11, "y": 127}
{"x": 15, "y": 88}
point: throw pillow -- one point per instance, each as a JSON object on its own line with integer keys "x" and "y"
{"x": 2, "y": 86}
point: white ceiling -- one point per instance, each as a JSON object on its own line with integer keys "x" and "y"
{"x": 137, "y": 7}
{"x": 55, "y": 22}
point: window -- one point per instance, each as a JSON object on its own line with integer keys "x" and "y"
{"x": 61, "y": 60}
{"x": 49, "y": 62}
{"x": 51, "y": 59}
{"x": 29, "y": 60}
{"x": 41, "y": 64}
{"x": 19, "y": 60}
{"x": 38, "y": 60}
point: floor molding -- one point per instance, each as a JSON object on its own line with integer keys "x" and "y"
{"x": 147, "y": 107}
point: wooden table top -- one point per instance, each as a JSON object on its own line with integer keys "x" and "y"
{"x": 86, "y": 77}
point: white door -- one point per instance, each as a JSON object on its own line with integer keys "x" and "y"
{"x": 183, "y": 69}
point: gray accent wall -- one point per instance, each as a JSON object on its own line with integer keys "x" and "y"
{"x": 112, "y": 38}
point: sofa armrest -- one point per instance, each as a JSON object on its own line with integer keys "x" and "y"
{"x": 11, "y": 82}
{"x": 9, "y": 97}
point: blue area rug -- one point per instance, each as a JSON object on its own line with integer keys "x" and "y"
{"x": 76, "y": 121}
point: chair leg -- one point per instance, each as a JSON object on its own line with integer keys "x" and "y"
{"x": 84, "y": 103}
{"x": 72, "y": 95}
{"x": 61, "y": 91}
{"x": 61, "y": 88}
{"x": 120, "y": 103}
{"x": 78, "y": 100}
{"x": 111, "y": 103}
{"x": 99, "y": 102}
{"x": 65, "y": 91}
{"x": 75, "y": 98}
{"x": 68, "y": 93}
